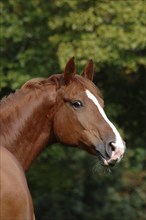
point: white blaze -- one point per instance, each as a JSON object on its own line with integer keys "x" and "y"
{"x": 118, "y": 143}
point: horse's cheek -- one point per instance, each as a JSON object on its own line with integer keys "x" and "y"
{"x": 65, "y": 129}
{"x": 88, "y": 138}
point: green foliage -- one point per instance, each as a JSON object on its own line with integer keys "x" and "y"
{"x": 37, "y": 38}
{"x": 110, "y": 33}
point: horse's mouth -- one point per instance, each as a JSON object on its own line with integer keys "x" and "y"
{"x": 107, "y": 162}
{"x": 102, "y": 160}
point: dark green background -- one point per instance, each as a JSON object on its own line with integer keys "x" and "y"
{"x": 37, "y": 39}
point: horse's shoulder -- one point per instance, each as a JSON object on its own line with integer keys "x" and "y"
{"x": 15, "y": 195}
{"x": 10, "y": 167}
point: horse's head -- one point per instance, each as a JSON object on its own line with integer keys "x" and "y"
{"x": 80, "y": 119}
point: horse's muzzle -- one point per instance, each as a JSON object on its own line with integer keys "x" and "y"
{"x": 109, "y": 160}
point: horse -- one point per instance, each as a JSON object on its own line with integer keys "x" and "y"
{"x": 66, "y": 108}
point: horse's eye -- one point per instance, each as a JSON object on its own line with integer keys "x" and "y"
{"x": 77, "y": 104}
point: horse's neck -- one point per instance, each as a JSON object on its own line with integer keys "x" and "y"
{"x": 26, "y": 123}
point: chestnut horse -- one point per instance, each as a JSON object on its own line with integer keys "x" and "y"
{"x": 65, "y": 108}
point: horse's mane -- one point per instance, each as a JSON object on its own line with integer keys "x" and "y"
{"x": 39, "y": 83}
{"x": 9, "y": 98}
{"x": 35, "y": 83}
{"x": 31, "y": 84}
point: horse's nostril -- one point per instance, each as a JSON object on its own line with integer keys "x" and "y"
{"x": 113, "y": 146}
{"x": 110, "y": 148}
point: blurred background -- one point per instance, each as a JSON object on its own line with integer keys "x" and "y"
{"x": 37, "y": 39}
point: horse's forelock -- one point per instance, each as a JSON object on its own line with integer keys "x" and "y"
{"x": 87, "y": 84}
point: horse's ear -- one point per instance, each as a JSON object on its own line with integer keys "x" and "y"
{"x": 70, "y": 71}
{"x": 89, "y": 70}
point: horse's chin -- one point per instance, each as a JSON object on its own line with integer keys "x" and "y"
{"x": 107, "y": 163}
